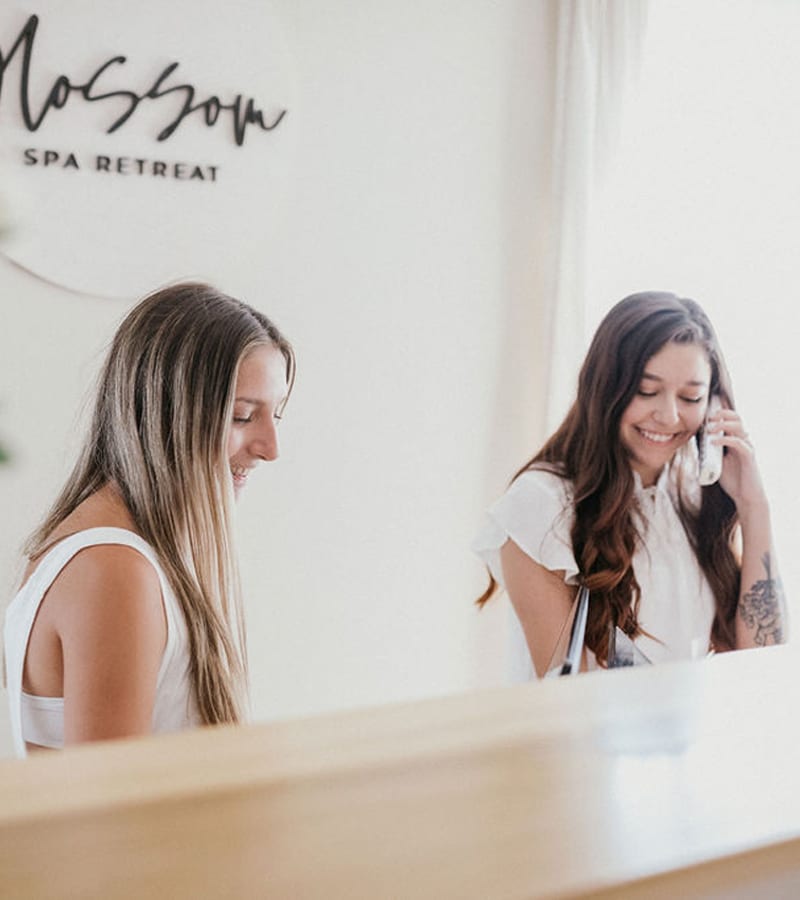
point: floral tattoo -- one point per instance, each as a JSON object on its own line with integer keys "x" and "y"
{"x": 760, "y": 607}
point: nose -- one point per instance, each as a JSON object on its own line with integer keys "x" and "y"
{"x": 265, "y": 444}
{"x": 666, "y": 411}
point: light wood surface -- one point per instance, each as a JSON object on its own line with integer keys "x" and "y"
{"x": 672, "y": 781}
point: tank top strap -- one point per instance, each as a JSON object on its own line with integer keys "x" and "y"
{"x": 61, "y": 553}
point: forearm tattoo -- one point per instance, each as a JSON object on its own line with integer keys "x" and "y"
{"x": 761, "y": 607}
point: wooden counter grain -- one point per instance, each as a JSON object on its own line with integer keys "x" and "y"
{"x": 677, "y": 780}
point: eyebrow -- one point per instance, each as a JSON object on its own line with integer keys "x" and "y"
{"x": 650, "y": 377}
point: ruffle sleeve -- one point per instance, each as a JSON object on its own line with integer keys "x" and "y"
{"x": 536, "y": 513}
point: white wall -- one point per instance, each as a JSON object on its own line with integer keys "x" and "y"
{"x": 407, "y": 273}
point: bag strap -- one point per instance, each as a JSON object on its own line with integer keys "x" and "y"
{"x": 572, "y": 663}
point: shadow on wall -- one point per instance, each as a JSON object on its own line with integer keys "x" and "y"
{"x": 5, "y": 230}
{"x": 6, "y": 745}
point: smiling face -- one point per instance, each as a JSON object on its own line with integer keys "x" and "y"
{"x": 259, "y": 397}
{"x": 667, "y": 409}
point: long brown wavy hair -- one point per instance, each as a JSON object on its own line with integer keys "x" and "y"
{"x": 587, "y": 451}
{"x": 160, "y": 429}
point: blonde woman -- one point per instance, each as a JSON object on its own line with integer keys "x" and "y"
{"x": 129, "y": 618}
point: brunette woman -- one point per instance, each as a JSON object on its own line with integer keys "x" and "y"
{"x": 612, "y": 501}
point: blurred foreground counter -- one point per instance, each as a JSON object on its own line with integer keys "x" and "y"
{"x": 671, "y": 781}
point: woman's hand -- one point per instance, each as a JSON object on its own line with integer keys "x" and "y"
{"x": 740, "y": 476}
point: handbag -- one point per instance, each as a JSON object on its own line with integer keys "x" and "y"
{"x": 622, "y": 651}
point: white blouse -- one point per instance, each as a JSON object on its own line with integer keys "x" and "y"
{"x": 677, "y": 605}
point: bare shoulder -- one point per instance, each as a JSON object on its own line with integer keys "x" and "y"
{"x": 109, "y": 585}
{"x": 109, "y": 618}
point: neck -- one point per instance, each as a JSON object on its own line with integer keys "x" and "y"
{"x": 648, "y": 477}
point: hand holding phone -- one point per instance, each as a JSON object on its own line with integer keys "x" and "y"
{"x": 710, "y": 454}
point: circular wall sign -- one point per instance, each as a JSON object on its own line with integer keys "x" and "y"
{"x": 138, "y": 145}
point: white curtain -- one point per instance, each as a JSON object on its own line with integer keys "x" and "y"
{"x": 598, "y": 57}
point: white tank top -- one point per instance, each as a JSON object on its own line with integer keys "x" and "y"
{"x": 40, "y": 720}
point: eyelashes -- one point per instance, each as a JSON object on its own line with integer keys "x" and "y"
{"x": 239, "y": 420}
{"x": 685, "y": 399}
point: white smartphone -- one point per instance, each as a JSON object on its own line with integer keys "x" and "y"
{"x": 710, "y": 454}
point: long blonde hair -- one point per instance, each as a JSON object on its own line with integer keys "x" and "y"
{"x": 159, "y": 433}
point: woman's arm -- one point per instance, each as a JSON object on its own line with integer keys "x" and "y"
{"x": 109, "y": 618}
{"x": 541, "y": 600}
{"x": 761, "y": 614}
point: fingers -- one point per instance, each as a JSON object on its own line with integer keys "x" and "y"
{"x": 733, "y": 442}
{"x": 729, "y": 422}
{"x": 727, "y": 430}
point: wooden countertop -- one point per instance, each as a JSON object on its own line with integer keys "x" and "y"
{"x": 675, "y": 780}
